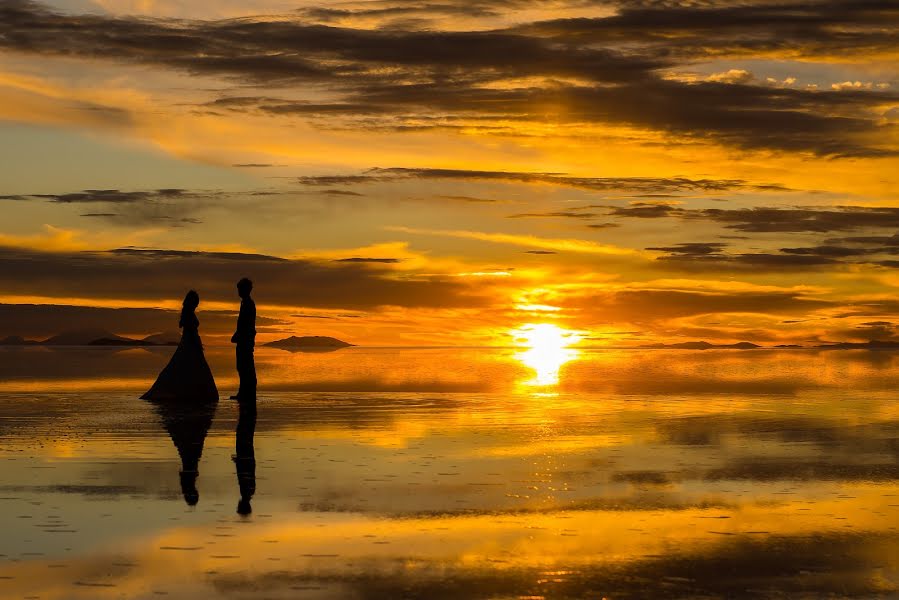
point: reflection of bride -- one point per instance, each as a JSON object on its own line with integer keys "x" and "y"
{"x": 187, "y": 377}
{"x": 187, "y": 424}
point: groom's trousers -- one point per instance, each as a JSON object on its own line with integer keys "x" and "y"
{"x": 246, "y": 370}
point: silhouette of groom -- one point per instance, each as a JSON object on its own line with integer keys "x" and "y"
{"x": 245, "y": 340}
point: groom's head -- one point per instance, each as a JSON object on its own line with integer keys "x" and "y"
{"x": 244, "y": 287}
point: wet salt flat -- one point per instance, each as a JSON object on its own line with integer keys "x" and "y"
{"x": 476, "y": 473}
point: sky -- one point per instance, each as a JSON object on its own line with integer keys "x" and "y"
{"x": 446, "y": 172}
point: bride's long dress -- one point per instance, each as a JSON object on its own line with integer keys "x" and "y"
{"x": 187, "y": 377}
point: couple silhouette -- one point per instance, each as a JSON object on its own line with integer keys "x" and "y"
{"x": 187, "y": 377}
{"x": 186, "y": 397}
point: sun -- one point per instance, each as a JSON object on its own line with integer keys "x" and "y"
{"x": 547, "y": 348}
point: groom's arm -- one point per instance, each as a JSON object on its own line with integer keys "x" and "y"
{"x": 249, "y": 324}
{"x": 239, "y": 329}
{"x": 246, "y": 323}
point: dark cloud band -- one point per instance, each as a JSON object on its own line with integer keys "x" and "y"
{"x": 607, "y": 71}
{"x": 137, "y": 274}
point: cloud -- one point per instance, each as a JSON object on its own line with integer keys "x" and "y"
{"x": 424, "y": 10}
{"x": 155, "y": 253}
{"x": 341, "y": 193}
{"x": 827, "y": 251}
{"x": 554, "y": 214}
{"x": 712, "y": 256}
{"x": 732, "y": 76}
{"x": 603, "y": 225}
{"x": 322, "y": 180}
{"x": 646, "y": 210}
{"x": 781, "y": 261}
{"x": 468, "y": 199}
{"x": 118, "y": 197}
{"x": 361, "y": 259}
{"x": 571, "y": 245}
{"x": 173, "y": 207}
{"x": 53, "y": 239}
{"x": 857, "y": 85}
{"x": 867, "y": 331}
{"x": 804, "y": 30}
{"x": 140, "y": 274}
{"x": 773, "y": 219}
{"x": 872, "y": 244}
{"x": 283, "y": 50}
{"x": 834, "y": 124}
{"x": 39, "y": 321}
{"x": 612, "y": 70}
{"x": 692, "y": 249}
{"x": 644, "y": 185}
{"x": 840, "y": 218}
{"x": 654, "y": 306}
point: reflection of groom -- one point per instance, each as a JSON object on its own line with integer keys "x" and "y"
{"x": 245, "y": 457}
{"x": 245, "y": 339}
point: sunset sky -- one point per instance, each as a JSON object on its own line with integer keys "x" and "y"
{"x": 444, "y": 172}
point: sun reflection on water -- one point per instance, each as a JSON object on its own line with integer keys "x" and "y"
{"x": 547, "y": 348}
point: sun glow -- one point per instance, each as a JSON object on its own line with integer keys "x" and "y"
{"x": 547, "y": 348}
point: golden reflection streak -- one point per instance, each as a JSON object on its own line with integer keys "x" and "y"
{"x": 547, "y": 348}
{"x": 459, "y": 545}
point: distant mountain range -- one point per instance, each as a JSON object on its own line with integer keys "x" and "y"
{"x": 871, "y": 345}
{"x": 317, "y": 343}
{"x": 102, "y": 337}
{"x": 309, "y": 343}
{"x": 95, "y": 337}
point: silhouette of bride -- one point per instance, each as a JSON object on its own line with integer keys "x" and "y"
{"x": 187, "y": 377}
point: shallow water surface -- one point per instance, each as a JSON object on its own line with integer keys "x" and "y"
{"x": 434, "y": 473}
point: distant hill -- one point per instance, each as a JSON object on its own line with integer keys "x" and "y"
{"x": 17, "y": 340}
{"x": 94, "y": 337}
{"x": 82, "y": 337}
{"x": 703, "y": 346}
{"x": 120, "y": 341}
{"x": 309, "y": 343}
{"x": 872, "y": 345}
{"x": 166, "y": 338}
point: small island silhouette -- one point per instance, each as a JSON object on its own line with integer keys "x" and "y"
{"x": 702, "y": 346}
{"x": 309, "y": 343}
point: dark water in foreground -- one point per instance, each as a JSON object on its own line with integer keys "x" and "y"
{"x": 457, "y": 474}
